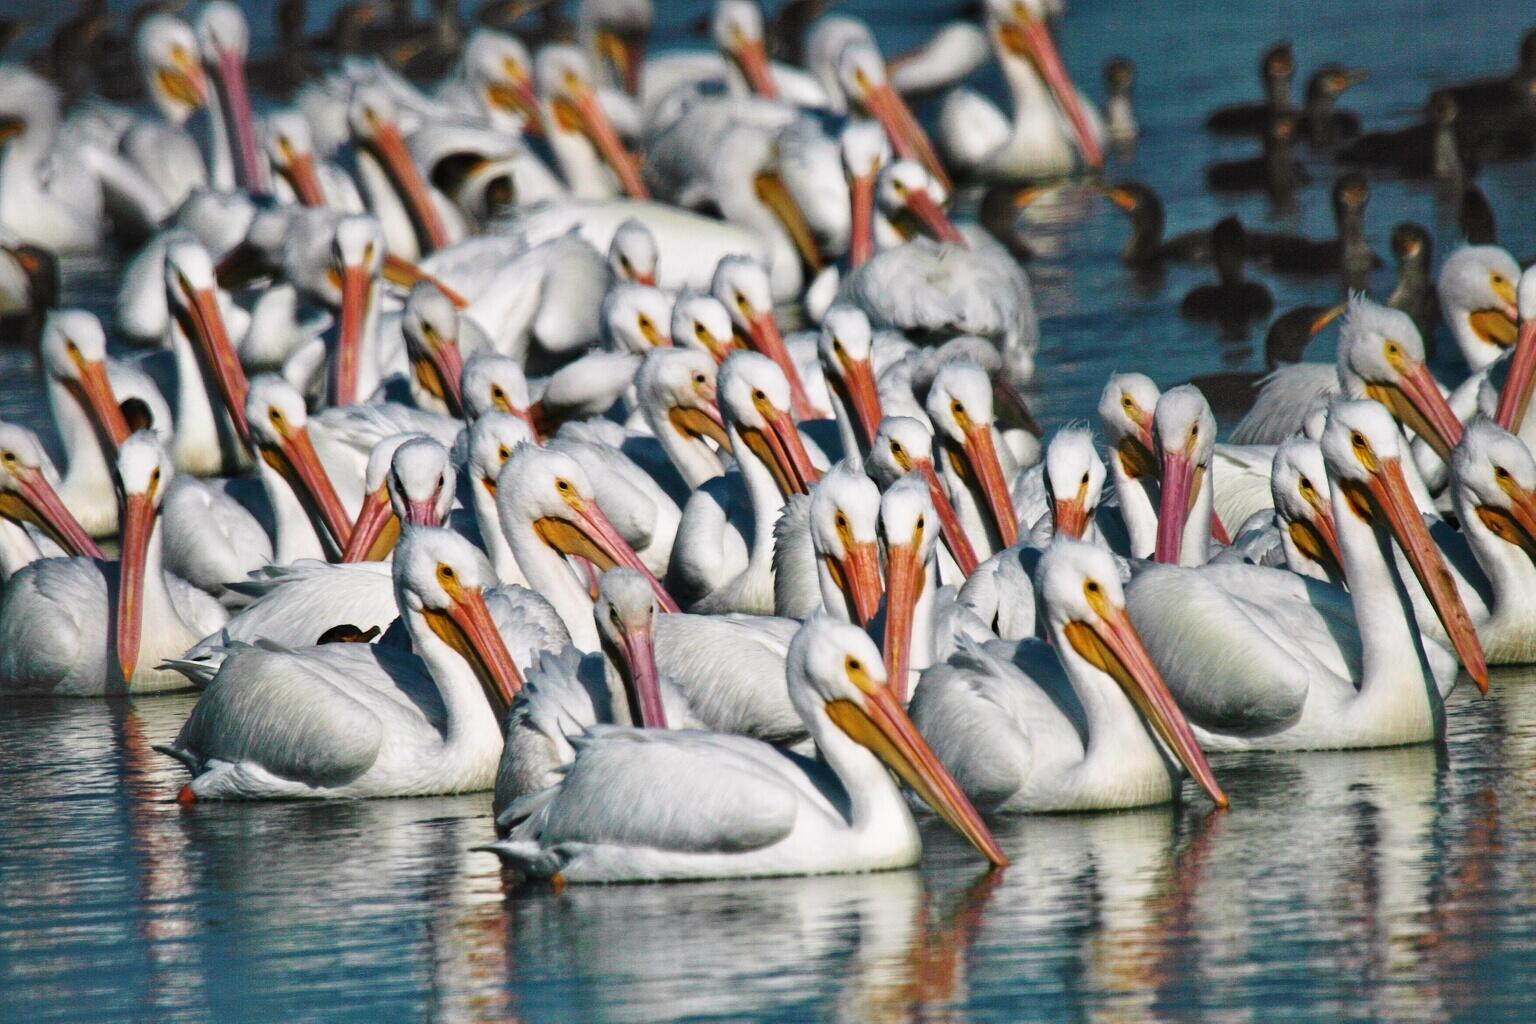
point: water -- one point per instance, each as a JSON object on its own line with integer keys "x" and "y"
{"x": 1389, "y": 885}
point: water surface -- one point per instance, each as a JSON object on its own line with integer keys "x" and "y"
{"x": 1384, "y": 885}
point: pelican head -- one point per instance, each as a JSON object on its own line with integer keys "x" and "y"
{"x": 1079, "y": 588}
{"x": 279, "y": 425}
{"x": 703, "y": 322}
{"x": 1074, "y": 480}
{"x": 431, "y": 328}
{"x": 847, "y": 355}
{"x": 679, "y": 383}
{"x": 493, "y": 438}
{"x": 498, "y": 69}
{"x": 625, "y": 613}
{"x": 1303, "y": 500}
{"x": 564, "y": 79}
{"x": 1477, "y": 297}
{"x": 632, "y": 254}
{"x": 1020, "y": 31}
{"x": 291, "y": 150}
{"x": 960, "y": 406}
{"x": 357, "y": 258}
{"x": 1126, "y": 407}
{"x": 637, "y": 318}
{"x": 74, "y": 353}
{"x": 375, "y": 126}
{"x": 835, "y": 672}
{"x": 737, "y": 28}
{"x": 907, "y": 518}
{"x": 192, "y": 294}
{"x": 1516, "y": 392}
{"x": 27, "y": 494}
{"x": 1381, "y": 356}
{"x": 409, "y": 481}
{"x": 224, "y": 39}
{"x": 1185, "y": 431}
{"x": 845, "y": 512}
{"x": 144, "y": 472}
{"x": 755, "y": 403}
{"x": 618, "y": 31}
{"x": 904, "y": 446}
{"x": 861, "y": 75}
{"x": 913, "y": 200}
{"x": 1495, "y": 481}
{"x": 1360, "y": 447}
{"x": 440, "y": 580}
{"x": 167, "y": 52}
{"x": 493, "y": 382}
{"x": 741, "y": 285}
{"x": 548, "y": 492}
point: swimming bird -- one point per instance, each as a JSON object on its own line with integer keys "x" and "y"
{"x": 904, "y": 446}
{"x": 1084, "y": 722}
{"x": 650, "y": 804}
{"x": 1275, "y": 171}
{"x": 1232, "y": 302}
{"x": 1277, "y": 65}
{"x": 74, "y": 627}
{"x": 1050, "y": 119}
{"x": 28, "y": 499}
{"x": 363, "y": 720}
{"x": 1348, "y": 255}
{"x": 1315, "y": 672}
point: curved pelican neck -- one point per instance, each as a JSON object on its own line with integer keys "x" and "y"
{"x": 206, "y": 443}
{"x": 496, "y": 546}
{"x": 87, "y": 488}
{"x": 470, "y": 718}
{"x": 1138, "y": 507}
{"x": 548, "y": 573}
{"x": 294, "y": 532}
{"x": 694, "y": 460}
{"x": 765, "y": 499}
{"x": 1395, "y": 677}
{"x": 1510, "y": 572}
{"x": 876, "y": 808}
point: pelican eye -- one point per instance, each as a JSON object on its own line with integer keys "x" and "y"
{"x": 759, "y": 395}
{"x": 700, "y": 379}
{"x": 1393, "y": 350}
{"x": 447, "y": 576}
{"x": 8, "y": 456}
{"x": 563, "y": 485}
{"x": 837, "y": 347}
{"x": 368, "y": 253}
{"x": 1092, "y": 586}
{"x": 645, "y": 323}
{"x": 853, "y": 665}
{"x": 1501, "y": 473}
{"x": 276, "y": 417}
{"x": 918, "y": 529}
{"x": 1194, "y": 432}
{"x": 1498, "y": 280}
{"x": 497, "y": 394}
{"x": 1306, "y": 486}
{"x": 503, "y": 453}
{"x": 624, "y": 265}
{"x": 154, "y": 478}
{"x": 841, "y": 521}
{"x": 1085, "y": 478}
{"x": 613, "y": 616}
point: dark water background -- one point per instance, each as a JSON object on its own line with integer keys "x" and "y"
{"x": 1385, "y": 885}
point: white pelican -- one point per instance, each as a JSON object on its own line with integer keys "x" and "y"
{"x": 702, "y": 322}
{"x": 409, "y": 482}
{"x": 956, "y": 282}
{"x": 826, "y": 552}
{"x": 495, "y": 75}
{"x": 491, "y": 440}
{"x": 1518, "y": 371}
{"x": 660, "y": 804}
{"x": 1184, "y": 431}
{"x": 632, "y": 254}
{"x": 567, "y": 692}
{"x": 1381, "y": 356}
{"x": 27, "y": 498}
{"x": 591, "y": 156}
{"x": 169, "y": 159}
{"x": 86, "y": 415}
{"x": 902, "y": 446}
{"x": 1477, "y": 298}
{"x": 847, "y": 349}
{"x": 44, "y": 200}
{"x": 688, "y": 245}
{"x": 1493, "y": 481}
{"x": 741, "y": 285}
{"x": 1062, "y": 498}
{"x": 68, "y": 629}
{"x": 907, "y": 518}
{"x": 614, "y": 32}
{"x": 224, "y": 37}
{"x": 861, "y": 72}
{"x": 309, "y": 519}
{"x": 1081, "y": 723}
{"x": 431, "y": 327}
{"x": 1050, "y": 118}
{"x": 416, "y": 218}
{"x": 722, "y": 559}
{"x": 547, "y": 511}
{"x": 675, "y": 390}
{"x": 959, "y": 405}
{"x": 1303, "y": 502}
{"x": 363, "y": 720}
{"x": 1265, "y": 659}
{"x": 300, "y": 175}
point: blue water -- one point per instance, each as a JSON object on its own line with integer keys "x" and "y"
{"x": 1386, "y": 885}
